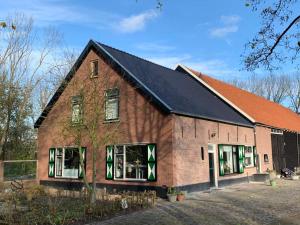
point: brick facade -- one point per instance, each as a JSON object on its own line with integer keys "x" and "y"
{"x": 178, "y": 138}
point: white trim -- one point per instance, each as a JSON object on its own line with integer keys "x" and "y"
{"x": 216, "y": 165}
{"x": 124, "y": 163}
{"x": 63, "y": 163}
{"x": 215, "y": 92}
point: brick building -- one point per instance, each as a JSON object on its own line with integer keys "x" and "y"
{"x": 177, "y": 131}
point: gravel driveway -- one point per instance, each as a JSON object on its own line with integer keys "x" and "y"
{"x": 253, "y": 203}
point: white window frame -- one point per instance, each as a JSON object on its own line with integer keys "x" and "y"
{"x": 124, "y": 163}
{"x": 110, "y": 98}
{"x": 76, "y": 118}
{"x": 252, "y": 156}
{"x": 63, "y": 163}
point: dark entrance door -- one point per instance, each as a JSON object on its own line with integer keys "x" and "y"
{"x": 211, "y": 169}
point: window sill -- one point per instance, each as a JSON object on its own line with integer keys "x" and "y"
{"x": 67, "y": 178}
{"x": 111, "y": 121}
{"x": 131, "y": 180}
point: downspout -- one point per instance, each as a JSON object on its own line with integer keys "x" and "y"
{"x": 298, "y": 149}
{"x": 258, "y": 167}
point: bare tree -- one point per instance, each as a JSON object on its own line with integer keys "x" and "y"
{"x": 23, "y": 53}
{"x": 89, "y": 128}
{"x": 276, "y": 87}
{"x": 272, "y": 87}
{"x": 277, "y": 41}
{"x": 294, "y": 93}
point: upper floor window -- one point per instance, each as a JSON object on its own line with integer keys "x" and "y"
{"x": 112, "y": 104}
{"x": 76, "y": 109}
{"x": 94, "y": 68}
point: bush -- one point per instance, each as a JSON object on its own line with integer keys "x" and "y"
{"x": 67, "y": 207}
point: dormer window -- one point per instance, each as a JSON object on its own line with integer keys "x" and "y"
{"x": 94, "y": 68}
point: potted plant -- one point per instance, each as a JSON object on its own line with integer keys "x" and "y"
{"x": 171, "y": 194}
{"x": 273, "y": 182}
{"x": 180, "y": 196}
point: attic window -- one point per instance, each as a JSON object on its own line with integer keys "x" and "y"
{"x": 94, "y": 68}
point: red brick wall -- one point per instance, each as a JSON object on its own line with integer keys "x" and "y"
{"x": 191, "y": 134}
{"x": 140, "y": 122}
{"x": 264, "y": 146}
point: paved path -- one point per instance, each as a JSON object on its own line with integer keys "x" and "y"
{"x": 253, "y": 203}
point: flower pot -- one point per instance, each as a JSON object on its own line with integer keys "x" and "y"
{"x": 180, "y": 197}
{"x": 172, "y": 197}
{"x": 273, "y": 183}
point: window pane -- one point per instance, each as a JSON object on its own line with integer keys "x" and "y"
{"x": 58, "y": 162}
{"x": 228, "y": 159}
{"x": 249, "y": 158}
{"x": 94, "y": 68}
{"x": 235, "y": 159}
{"x": 136, "y": 162}
{"x": 111, "y": 109}
{"x": 76, "y": 113}
{"x": 71, "y": 162}
{"x": 119, "y": 162}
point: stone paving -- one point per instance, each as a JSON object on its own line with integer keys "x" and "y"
{"x": 253, "y": 203}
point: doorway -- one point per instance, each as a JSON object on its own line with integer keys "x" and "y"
{"x": 213, "y": 176}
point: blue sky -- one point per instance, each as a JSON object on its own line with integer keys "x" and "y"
{"x": 206, "y": 35}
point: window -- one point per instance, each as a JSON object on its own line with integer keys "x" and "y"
{"x": 130, "y": 162}
{"x": 67, "y": 162}
{"x": 76, "y": 109}
{"x": 202, "y": 153}
{"x": 266, "y": 158}
{"x": 276, "y": 131}
{"x": 94, "y": 68}
{"x": 249, "y": 156}
{"x": 230, "y": 159}
{"x": 112, "y": 104}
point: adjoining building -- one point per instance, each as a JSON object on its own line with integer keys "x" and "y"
{"x": 178, "y": 132}
{"x": 276, "y": 127}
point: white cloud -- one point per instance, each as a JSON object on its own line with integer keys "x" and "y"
{"x": 51, "y": 12}
{"x": 154, "y": 47}
{"x": 230, "y": 25}
{"x": 214, "y": 67}
{"x": 233, "y": 19}
{"x": 169, "y": 61}
{"x": 223, "y": 31}
{"x": 136, "y": 22}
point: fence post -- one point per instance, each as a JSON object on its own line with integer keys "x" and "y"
{"x": 1, "y": 171}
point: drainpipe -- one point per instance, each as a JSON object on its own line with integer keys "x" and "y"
{"x": 258, "y": 166}
{"x": 298, "y": 149}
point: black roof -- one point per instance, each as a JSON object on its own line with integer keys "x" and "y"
{"x": 173, "y": 91}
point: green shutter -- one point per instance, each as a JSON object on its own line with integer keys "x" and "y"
{"x": 109, "y": 162}
{"x": 254, "y": 155}
{"x": 221, "y": 161}
{"x": 82, "y": 152}
{"x": 241, "y": 159}
{"x": 51, "y": 168}
{"x": 151, "y": 162}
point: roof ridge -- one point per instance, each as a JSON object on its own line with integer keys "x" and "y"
{"x": 167, "y": 68}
